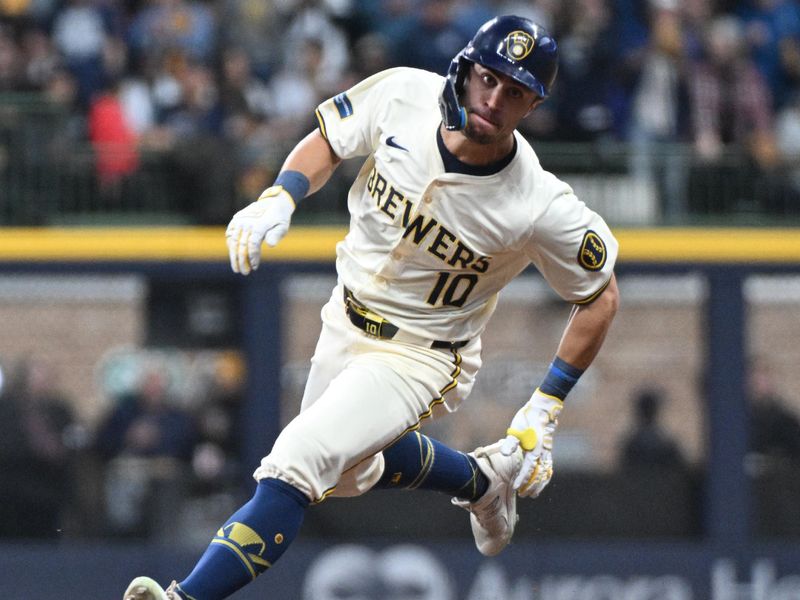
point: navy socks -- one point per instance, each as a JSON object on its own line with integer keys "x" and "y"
{"x": 261, "y": 530}
{"x": 416, "y": 461}
{"x": 248, "y": 543}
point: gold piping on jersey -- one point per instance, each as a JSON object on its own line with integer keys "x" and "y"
{"x": 427, "y": 413}
{"x": 325, "y": 494}
{"x": 594, "y": 296}
{"x": 321, "y": 121}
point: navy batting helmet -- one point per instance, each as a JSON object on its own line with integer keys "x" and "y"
{"x": 511, "y": 45}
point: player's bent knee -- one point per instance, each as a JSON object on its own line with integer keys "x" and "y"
{"x": 321, "y": 483}
{"x": 361, "y": 478}
{"x": 292, "y": 477}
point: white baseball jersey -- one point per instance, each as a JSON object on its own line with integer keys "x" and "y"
{"x": 428, "y": 249}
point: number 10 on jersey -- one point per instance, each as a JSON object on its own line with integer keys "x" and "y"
{"x": 452, "y": 289}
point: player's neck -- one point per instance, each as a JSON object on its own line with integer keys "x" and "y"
{"x": 474, "y": 153}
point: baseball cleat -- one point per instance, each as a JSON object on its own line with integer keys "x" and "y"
{"x": 493, "y": 516}
{"x": 144, "y": 588}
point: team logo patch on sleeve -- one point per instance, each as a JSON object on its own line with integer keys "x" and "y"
{"x": 592, "y": 255}
{"x": 343, "y": 105}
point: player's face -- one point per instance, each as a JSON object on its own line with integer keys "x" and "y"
{"x": 495, "y": 104}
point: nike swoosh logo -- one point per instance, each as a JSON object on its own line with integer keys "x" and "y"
{"x": 390, "y": 142}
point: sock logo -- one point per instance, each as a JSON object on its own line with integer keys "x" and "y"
{"x": 248, "y": 546}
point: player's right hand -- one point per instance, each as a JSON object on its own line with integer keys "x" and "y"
{"x": 266, "y": 219}
{"x": 532, "y": 429}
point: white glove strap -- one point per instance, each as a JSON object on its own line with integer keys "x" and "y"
{"x": 280, "y": 195}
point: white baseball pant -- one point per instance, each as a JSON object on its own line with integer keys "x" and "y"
{"x": 362, "y": 394}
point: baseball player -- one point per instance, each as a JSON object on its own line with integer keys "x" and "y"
{"x": 449, "y": 206}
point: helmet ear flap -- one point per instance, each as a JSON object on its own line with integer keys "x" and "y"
{"x": 454, "y": 115}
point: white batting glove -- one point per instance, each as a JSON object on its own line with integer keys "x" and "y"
{"x": 265, "y": 220}
{"x": 532, "y": 429}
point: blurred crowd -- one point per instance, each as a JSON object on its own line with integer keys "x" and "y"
{"x": 219, "y": 91}
{"x": 165, "y": 454}
{"x": 164, "y": 451}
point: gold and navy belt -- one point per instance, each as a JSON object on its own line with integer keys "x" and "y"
{"x": 376, "y": 326}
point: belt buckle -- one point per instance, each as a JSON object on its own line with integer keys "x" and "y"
{"x": 372, "y": 323}
{"x": 372, "y": 327}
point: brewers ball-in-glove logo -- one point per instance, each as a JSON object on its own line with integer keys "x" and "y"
{"x": 246, "y": 544}
{"x": 592, "y": 255}
{"x": 519, "y": 44}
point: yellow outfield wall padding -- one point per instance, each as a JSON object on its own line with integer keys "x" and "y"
{"x": 709, "y": 245}
{"x": 663, "y": 245}
{"x": 154, "y": 243}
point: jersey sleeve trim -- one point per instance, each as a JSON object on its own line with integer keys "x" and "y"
{"x": 594, "y": 296}
{"x": 321, "y": 123}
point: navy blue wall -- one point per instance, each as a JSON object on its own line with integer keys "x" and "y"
{"x": 724, "y": 553}
{"x": 623, "y": 570}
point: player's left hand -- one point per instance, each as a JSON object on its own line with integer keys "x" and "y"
{"x": 532, "y": 429}
{"x": 266, "y": 219}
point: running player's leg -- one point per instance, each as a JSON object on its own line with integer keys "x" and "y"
{"x": 256, "y": 535}
{"x": 416, "y": 461}
{"x": 249, "y": 542}
{"x": 370, "y": 404}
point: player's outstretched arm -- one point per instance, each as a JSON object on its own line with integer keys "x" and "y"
{"x": 313, "y": 157}
{"x": 587, "y": 328}
{"x": 307, "y": 168}
{"x": 533, "y": 426}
